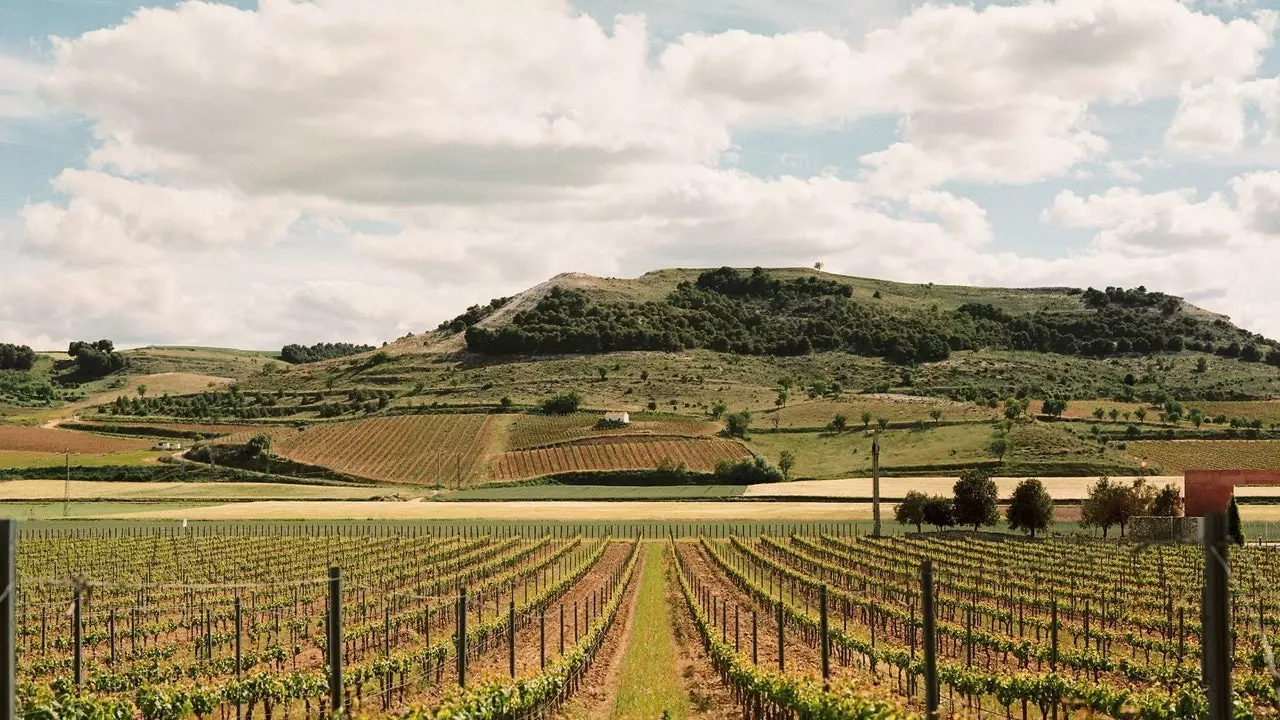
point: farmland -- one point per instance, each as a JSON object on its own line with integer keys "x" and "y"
{"x": 894, "y": 408}
{"x": 624, "y": 453}
{"x": 578, "y": 621}
{"x": 409, "y": 449}
{"x": 1179, "y": 455}
{"x": 34, "y": 439}
{"x": 535, "y": 431}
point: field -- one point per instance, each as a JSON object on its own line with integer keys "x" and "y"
{"x": 21, "y": 459}
{"x": 535, "y": 431}
{"x": 891, "y": 489}
{"x": 894, "y": 408}
{"x": 571, "y": 621}
{"x": 35, "y": 439}
{"x": 626, "y": 453}
{"x": 830, "y": 455}
{"x": 1179, "y": 455}
{"x": 423, "y": 449}
{"x": 30, "y": 490}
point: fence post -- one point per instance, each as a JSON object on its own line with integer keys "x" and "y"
{"x": 562, "y": 629}
{"x": 77, "y": 633}
{"x": 1053, "y": 634}
{"x": 9, "y": 578}
{"x": 542, "y": 639}
{"x": 111, "y": 634}
{"x": 782, "y": 665}
{"x": 334, "y": 643}
{"x": 826, "y": 636}
{"x": 1216, "y": 637}
{"x": 755, "y": 641}
{"x": 239, "y": 629}
{"x": 462, "y": 635}
{"x": 511, "y": 638}
{"x": 927, "y": 609}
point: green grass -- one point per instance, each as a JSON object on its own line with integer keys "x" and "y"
{"x": 599, "y": 492}
{"x": 648, "y": 681}
{"x": 827, "y": 455}
{"x": 54, "y": 510}
{"x": 21, "y": 459}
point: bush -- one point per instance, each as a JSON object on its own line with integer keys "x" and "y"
{"x": 737, "y": 424}
{"x": 564, "y": 404}
{"x": 747, "y": 472}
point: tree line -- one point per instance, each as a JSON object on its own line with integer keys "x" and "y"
{"x": 300, "y": 354}
{"x": 755, "y": 313}
{"x": 473, "y": 315}
{"x": 1030, "y": 509}
{"x": 16, "y": 357}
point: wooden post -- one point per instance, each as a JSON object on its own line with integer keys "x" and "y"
{"x": 239, "y": 630}
{"x": 927, "y": 609}
{"x": 542, "y": 639}
{"x": 826, "y": 636}
{"x": 461, "y": 639}
{"x": 755, "y": 641}
{"x": 334, "y": 643}
{"x": 782, "y": 665}
{"x": 77, "y": 632}
{"x": 511, "y": 637}
{"x": 1216, "y": 637}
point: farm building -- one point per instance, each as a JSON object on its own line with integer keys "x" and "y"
{"x": 621, "y": 418}
{"x": 165, "y": 445}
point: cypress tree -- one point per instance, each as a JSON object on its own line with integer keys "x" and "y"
{"x": 1234, "y": 529}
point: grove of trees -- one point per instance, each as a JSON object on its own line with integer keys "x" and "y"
{"x": 16, "y": 357}
{"x": 95, "y": 359}
{"x": 299, "y": 354}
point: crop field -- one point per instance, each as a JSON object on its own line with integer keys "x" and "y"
{"x": 473, "y": 621}
{"x": 406, "y": 448}
{"x": 35, "y": 439}
{"x": 830, "y": 455}
{"x": 627, "y": 453}
{"x": 535, "y": 431}
{"x": 1180, "y": 455}
{"x": 894, "y": 408}
{"x": 21, "y": 459}
{"x": 1267, "y": 411}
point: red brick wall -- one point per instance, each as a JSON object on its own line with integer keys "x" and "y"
{"x": 1210, "y": 490}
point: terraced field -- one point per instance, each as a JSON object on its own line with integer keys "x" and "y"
{"x": 49, "y": 440}
{"x": 894, "y": 408}
{"x": 535, "y": 431}
{"x": 631, "y": 453}
{"x": 1179, "y": 455}
{"x": 406, "y": 448}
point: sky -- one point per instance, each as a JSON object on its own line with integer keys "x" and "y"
{"x": 262, "y": 172}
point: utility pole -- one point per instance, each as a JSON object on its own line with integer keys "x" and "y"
{"x": 875, "y": 484}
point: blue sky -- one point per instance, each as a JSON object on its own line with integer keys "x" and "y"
{"x": 927, "y": 150}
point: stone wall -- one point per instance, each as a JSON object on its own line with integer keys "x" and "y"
{"x": 1147, "y": 528}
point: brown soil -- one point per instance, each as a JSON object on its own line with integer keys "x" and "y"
{"x": 710, "y": 698}
{"x": 600, "y": 687}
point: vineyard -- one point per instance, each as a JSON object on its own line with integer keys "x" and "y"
{"x": 536, "y": 431}
{"x": 168, "y": 626}
{"x": 404, "y": 448}
{"x": 624, "y": 453}
{"x": 1179, "y": 455}
{"x": 470, "y": 622}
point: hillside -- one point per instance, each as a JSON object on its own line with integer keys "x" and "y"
{"x": 979, "y": 400}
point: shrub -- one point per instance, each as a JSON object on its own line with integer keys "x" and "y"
{"x": 747, "y": 472}
{"x": 564, "y": 404}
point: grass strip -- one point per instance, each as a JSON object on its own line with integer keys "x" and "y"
{"x": 649, "y": 685}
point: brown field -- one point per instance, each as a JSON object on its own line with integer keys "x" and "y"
{"x": 35, "y": 439}
{"x": 1083, "y": 409}
{"x": 629, "y": 453}
{"x": 895, "y": 408}
{"x": 534, "y": 431}
{"x": 1180, "y": 455}
{"x": 406, "y": 448}
{"x": 174, "y": 383}
{"x": 53, "y": 490}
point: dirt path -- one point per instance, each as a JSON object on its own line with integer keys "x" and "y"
{"x": 600, "y": 688}
{"x": 709, "y": 699}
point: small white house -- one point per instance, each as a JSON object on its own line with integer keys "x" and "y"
{"x": 621, "y": 418}
{"x": 166, "y": 445}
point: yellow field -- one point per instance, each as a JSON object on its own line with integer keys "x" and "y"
{"x": 895, "y": 408}
{"x": 15, "y": 490}
{"x": 1180, "y": 455}
{"x": 1267, "y": 411}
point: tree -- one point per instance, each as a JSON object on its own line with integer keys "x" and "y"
{"x": 866, "y": 420}
{"x": 1012, "y": 409}
{"x": 975, "y": 499}
{"x": 142, "y": 390}
{"x": 1101, "y": 507}
{"x": 1202, "y": 364}
{"x": 936, "y": 414}
{"x": 781, "y": 400}
{"x": 506, "y": 402}
{"x": 786, "y": 461}
{"x": 786, "y": 382}
{"x": 818, "y": 266}
{"x": 911, "y": 510}
{"x": 259, "y": 444}
{"x": 736, "y": 424}
{"x": 839, "y": 422}
{"x": 939, "y": 512}
{"x": 1030, "y": 508}
{"x": 718, "y": 409}
{"x": 1053, "y": 407}
{"x": 1135, "y": 500}
{"x": 882, "y": 422}
{"x": 1114, "y": 414}
{"x": 603, "y": 372}
{"x": 1000, "y": 446}
{"x": 1141, "y": 414}
{"x": 564, "y": 404}
{"x": 1167, "y": 502}
{"x": 1235, "y": 530}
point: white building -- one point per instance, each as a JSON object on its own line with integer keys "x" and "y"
{"x": 623, "y": 418}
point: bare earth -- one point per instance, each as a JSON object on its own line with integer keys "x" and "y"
{"x": 88, "y": 490}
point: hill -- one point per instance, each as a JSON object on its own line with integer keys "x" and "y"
{"x": 951, "y": 376}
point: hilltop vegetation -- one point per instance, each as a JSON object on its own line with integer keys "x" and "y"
{"x": 298, "y": 354}
{"x": 757, "y": 313}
